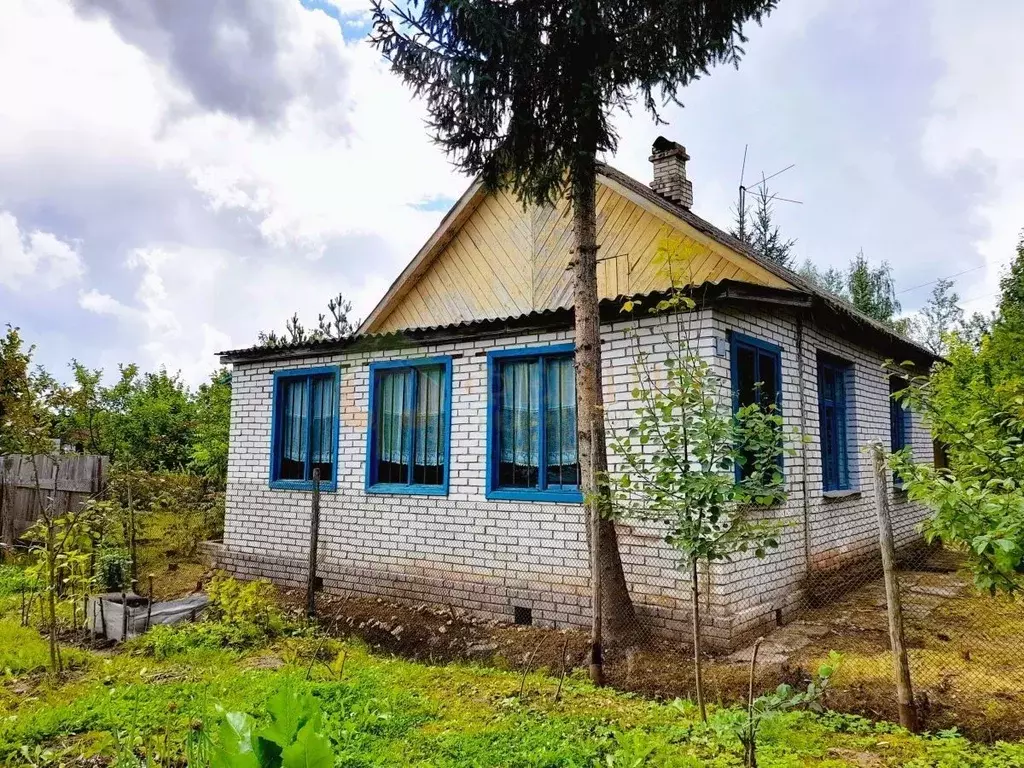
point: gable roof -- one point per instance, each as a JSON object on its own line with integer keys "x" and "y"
{"x": 794, "y": 288}
{"x": 492, "y": 257}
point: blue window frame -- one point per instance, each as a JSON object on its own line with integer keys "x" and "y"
{"x": 899, "y": 417}
{"x": 531, "y": 434}
{"x": 304, "y": 428}
{"x": 756, "y": 377}
{"x": 833, "y": 391}
{"x": 408, "y": 447}
{"x": 899, "y": 422}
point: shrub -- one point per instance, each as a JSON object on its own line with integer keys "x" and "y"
{"x": 245, "y": 602}
{"x": 114, "y": 569}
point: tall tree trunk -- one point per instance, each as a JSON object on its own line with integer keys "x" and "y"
{"x": 618, "y": 617}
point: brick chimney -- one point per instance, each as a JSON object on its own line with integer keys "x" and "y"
{"x": 669, "y": 161}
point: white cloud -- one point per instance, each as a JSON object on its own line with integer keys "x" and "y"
{"x": 103, "y": 304}
{"x": 306, "y": 194}
{"x": 35, "y": 259}
{"x": 977, "y": 117}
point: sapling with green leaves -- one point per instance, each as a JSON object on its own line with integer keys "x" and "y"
{"x": 977, "y": 502}
{"x": 692, "y": 463}
{"x": 745, "y": 724}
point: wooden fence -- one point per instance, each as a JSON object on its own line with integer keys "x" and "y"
{"x": 28, "y": 482}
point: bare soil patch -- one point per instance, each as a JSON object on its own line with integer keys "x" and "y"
{"x": 967, "y": 651}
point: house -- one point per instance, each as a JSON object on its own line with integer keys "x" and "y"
{"x": 443, "y": 479}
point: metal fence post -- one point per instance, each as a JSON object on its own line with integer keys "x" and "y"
{"x": 314, "y": 535}
{"x": 901, "y": 665}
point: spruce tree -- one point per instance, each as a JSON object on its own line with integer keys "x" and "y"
{"x": 522, "y": 94}
{"x": 757, "y": 228}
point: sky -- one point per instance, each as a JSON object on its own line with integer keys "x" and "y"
{"x": 177, "y": 175}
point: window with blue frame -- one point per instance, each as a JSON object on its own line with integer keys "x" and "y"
{"x": 408, "y": 447}
{"x": 899, "y": 421}
{"x": 756, "y": 377}
{"x": 532, "y": 451}
{"x": 833, "y": 392}
{"x": 305, "y": 428}
{"x": 899, "y": 416}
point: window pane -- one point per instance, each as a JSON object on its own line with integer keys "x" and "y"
{"x": 322, "y": 434}
{"x": 746, "y": 374}
{"x": 832, "y": 397}
{"x": 293, "y": 424}
{"x": 560, "y": 423}
{"x": 767, "y": 378}
{"x": 897, "y": 416}
{"x": 430, "y": 425}
{"x": 392, "y": 428}
{"x": 518, "y": 424}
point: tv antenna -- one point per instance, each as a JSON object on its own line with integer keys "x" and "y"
{"x": 742, "y": 205}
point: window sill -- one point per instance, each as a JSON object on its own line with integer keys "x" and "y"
{"x": 843, "y": 494}
{"x": 302, "y": 485}
{"x": 515, "y": 494}
{"x": 400, "y": 489}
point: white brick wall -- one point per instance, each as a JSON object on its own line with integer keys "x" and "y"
{"x": 487, "y": 556}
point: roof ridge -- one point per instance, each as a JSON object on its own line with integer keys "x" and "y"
{"x": 725, "y": 238}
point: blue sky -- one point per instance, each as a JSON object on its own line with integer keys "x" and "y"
{"x": 175, "y": 177}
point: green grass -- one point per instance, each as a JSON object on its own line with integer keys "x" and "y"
{"x": 387, "y": 712}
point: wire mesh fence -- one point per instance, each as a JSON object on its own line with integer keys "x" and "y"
{"x": 443, "y": 579}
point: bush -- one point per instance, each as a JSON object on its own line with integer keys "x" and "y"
{"x": 245, "y": 602}
{"x": 114, "y": 569}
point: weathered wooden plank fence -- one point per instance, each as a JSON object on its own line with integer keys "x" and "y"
{"x": 27, "y": 483}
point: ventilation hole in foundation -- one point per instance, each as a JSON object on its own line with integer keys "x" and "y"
{"x": 778, "y": 617}
{"x": 523, "y": 615}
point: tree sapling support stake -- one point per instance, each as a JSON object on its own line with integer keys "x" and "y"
{"x": 314, "y": 535}
{"x": 750, "y": 747}
{"x": 149, "y": 609}
{"x": 561, "y": 675}
{"x": 901, "y": 664}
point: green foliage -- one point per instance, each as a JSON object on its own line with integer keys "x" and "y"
{"x": 975, "y": 406}
{"x": 151, "y": 421}
{"x": 759, "y": 231}
{"x": 135, "y": 708}
{"x": 114, "y": 569}
{"x": 12, "y": 580}
{"x": 940, "y": 316}
{"x": 681, "y": 455}
{"x": 213, "y": 417}
{"x": 24, "y": 418}
{"x": 165, "y": 641}
{"x": 145, "y": 421}
{"x": 245, "y": 602}
{"x": 525, "y": 99}
{"x": 870, "y": 289}
{"x": 293, "y": 739}
{"x": 337, "y": 326}
{"x": 745, "y": 724}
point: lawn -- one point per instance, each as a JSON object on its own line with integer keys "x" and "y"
{"x": 147, "y": 698}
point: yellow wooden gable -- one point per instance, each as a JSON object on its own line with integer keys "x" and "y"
{"x": 493, "y": 259}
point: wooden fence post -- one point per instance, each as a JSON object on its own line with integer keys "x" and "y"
{"x": 314, "y": 536}
{"x": 901, "y": 665}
